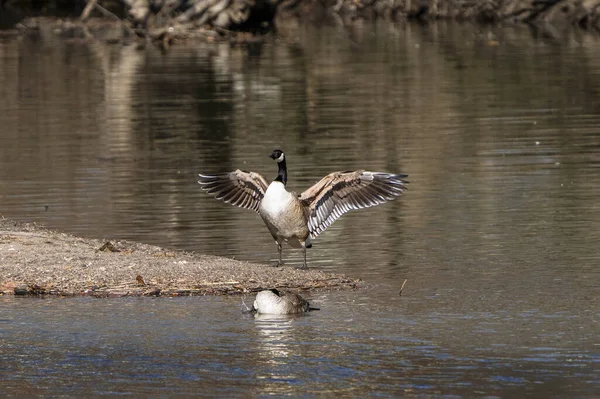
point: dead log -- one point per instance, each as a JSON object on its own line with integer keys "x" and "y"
{"x": 582, "y": 13}
{"x": 168, "y": 20}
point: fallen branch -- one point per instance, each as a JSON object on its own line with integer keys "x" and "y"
{"x": 220, "y": 283}
{"x": 87, "y": 10}
{"x": 93, "y": 4}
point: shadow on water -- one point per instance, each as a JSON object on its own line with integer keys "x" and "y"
{"x": 497, "y": 234}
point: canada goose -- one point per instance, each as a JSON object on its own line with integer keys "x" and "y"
{"x": 275, "y": 302}
{"x": 296, "y": 219}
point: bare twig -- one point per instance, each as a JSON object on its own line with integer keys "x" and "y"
{"x": 245, "y": 309}
{"x": 94, "y": 4}
{"x": 401, "y": 288}
{"x": 87, "y": 10}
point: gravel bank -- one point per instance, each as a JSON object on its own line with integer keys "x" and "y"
{"x": 37, "y": 261}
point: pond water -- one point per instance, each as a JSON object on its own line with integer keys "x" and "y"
{"x": 499, "y": 131}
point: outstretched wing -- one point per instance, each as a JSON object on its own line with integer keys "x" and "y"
{"x": 239, "y": 188}
{"x": 340, "y": 192}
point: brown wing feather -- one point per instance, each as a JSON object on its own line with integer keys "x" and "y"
{"x": 239, "y": 188}
{"x": 294, "y": 302}
{"x": 340, "y": 192}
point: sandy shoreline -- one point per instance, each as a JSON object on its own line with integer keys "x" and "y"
{"x": 38, "y": 261}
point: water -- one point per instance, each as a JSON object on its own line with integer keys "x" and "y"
{"x": 166, "y": 346}
{"x": 497, "y": 235}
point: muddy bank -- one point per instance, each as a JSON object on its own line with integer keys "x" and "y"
{"x": 37, "y": 261}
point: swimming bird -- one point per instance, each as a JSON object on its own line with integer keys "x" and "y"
{"x": 276, "y": 302}
{"x": 296, "y": 219}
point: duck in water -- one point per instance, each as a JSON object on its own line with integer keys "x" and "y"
{"x": 277, "y": 302}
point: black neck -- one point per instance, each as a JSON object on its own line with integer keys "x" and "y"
{"x": 282, "y": 173}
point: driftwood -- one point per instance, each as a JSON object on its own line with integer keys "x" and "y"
{"x": 583, "y": 13}
{"x": 168, "y": 20}
{"x": 160, "y": 19}
{"x": 263, "y": 15}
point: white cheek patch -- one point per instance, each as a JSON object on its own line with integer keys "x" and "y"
{"x": 280, "y": 158}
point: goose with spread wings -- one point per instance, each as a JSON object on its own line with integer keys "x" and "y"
{"x": 296, "y": 219}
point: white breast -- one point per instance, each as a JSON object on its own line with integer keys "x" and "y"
{"x": 276, "y": 200}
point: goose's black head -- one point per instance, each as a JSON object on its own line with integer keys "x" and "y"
{"x": 282, "y": 172}
{"x": 277, "y": 155}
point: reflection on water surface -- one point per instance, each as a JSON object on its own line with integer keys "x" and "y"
{"x": 497, "y": 234}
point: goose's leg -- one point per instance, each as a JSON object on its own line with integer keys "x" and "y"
{"x": 279, "y": 251}
{"x": 304, "y": 254}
